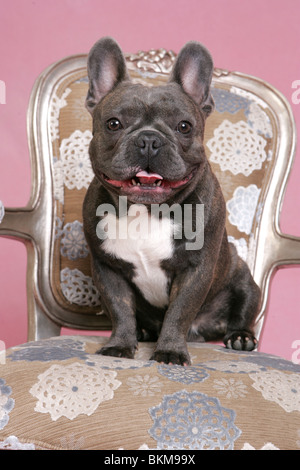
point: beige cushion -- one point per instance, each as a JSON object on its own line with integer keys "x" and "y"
{"x": 57, "y": 394}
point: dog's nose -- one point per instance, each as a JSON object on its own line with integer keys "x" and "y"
{"x": 149, "y": 143}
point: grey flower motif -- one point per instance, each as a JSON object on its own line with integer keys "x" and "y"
{"x": 230, "y": 388}
{"x": 145, "y": 386}
{"x": 79, "y": 111}
{"x": 242, "y": 207}
{"x": 73, "y": 243}
{"x": 58, "y": 227}
{"x": 234, "y": 367}
{"x": 116, "y": 363}
{"x": 185, "y": 375}
{"x": 49, "y": 350}
{"x": 236, "y": 147}
{"x": 6, "y": 403}
{"x": 79, "y": 288}
{"x": 73, "y": 389}
{"x": 279, "y": 387}
{"x": 75, "y": 170}
{"x": 13, "y": 443}
{"x": 193, "y": 420}
{"x": 258, "y": 120}
{"x": 225, "y": 101}
{"x": 83, "y": 80}
{"x": 57, "y": 103}
{"x": 264, "y": 360}
{"x": 267, "y": 360}
{"x": 241, "y": 246}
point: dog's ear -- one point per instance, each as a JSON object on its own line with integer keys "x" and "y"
{"x": 106, "y": 67}
{"x": 193, "y": 71}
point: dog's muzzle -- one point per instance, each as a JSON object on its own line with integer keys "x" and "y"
{"x": 149, "y": 143}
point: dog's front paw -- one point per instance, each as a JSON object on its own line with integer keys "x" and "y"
{"x": 117, "y": 351}
{"x": 181, "y": 358}
{"x": 240, "y": 340}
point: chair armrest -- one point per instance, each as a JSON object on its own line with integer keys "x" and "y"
{"x": 279, "y": 250}
{"x": 1, "y": 211}
{"x": 28, "y": 224}
{"x": 16, "y": 223}
{"x": 289, "y": 253}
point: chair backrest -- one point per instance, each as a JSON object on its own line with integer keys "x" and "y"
{"x": 250, "y": 143}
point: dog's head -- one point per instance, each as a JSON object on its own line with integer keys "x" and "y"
{"x": 148, "y": 141}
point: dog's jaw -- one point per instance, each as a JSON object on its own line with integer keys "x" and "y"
{"x": 148, "y": 187}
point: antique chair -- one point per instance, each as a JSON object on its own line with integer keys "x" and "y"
{"x": 55, "y": 393}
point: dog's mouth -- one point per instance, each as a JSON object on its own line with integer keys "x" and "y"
{"x": 148, "y": 181}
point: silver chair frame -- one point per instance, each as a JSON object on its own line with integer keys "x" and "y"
{"x": 33, "y": 224}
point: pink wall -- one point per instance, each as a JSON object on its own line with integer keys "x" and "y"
{"x": 258, "y": 37}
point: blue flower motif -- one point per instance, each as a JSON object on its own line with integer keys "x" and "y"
{"x": 49, "y": 350}
{"x": 267, "y": 360}
{"x": 6, "y": 403}
{"x": 193, "y": 420}
{"x": 225, "y": 101}
{"x": 234, "y": 367}
{"x": 185, "y": 375}
{"x": 73, "y": 243}
{"x": 115, "y": 363}
{"x": 264, "y": 360}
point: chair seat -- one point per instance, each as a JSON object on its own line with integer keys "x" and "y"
{"x": 57, "y": 394}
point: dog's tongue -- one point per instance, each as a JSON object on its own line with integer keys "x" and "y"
{"x": 148, "y": 178}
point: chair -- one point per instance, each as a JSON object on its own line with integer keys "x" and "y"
{"x": 55, "y": 393}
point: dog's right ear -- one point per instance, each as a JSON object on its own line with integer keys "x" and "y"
{"x": 193, "y": 71}
{"x": 106, "y": 67}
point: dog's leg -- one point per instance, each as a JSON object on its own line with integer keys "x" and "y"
{"x": 230, "y": 315}
{"x": 244, "y": 308}
{"x": 240, "y": 334}
{"x": 118, "y": 298}
{"x": 185, "y": 298}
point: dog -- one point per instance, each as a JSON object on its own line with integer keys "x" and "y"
{"x": 156, "y": 282}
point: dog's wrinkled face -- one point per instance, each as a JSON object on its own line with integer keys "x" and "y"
{"x": 148, "y": 141}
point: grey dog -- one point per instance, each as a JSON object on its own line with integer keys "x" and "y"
{"x": 147, "y": 149}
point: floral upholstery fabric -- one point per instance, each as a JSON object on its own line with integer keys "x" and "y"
{"x": 57, "y": 394}
{"x": 240, "y": 140}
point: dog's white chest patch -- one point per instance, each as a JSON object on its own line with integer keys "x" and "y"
{"x": 144, "y": 241}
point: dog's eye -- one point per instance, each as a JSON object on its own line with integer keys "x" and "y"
{"x": 184, "y": 127}
{"x": 114, "y": 124}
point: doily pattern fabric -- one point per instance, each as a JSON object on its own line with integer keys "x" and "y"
{"x": 58, "y": 393}
{"x": 240, "y": 140}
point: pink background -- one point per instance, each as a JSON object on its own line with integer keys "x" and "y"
{"x": 258, "y": 37}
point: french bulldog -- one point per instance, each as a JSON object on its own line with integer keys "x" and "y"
{"x": 147, "y": 151}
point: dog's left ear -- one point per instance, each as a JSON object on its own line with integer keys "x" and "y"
{"x": 106, "y": 67}
{"x": 193, "y": 71}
